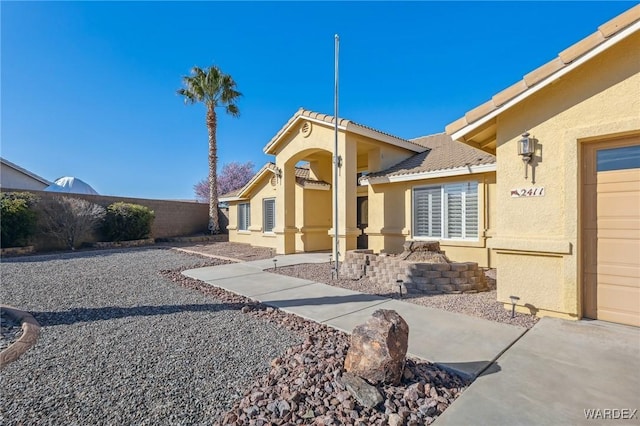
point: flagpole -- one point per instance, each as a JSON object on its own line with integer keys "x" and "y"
{"x": 336, "y": 164}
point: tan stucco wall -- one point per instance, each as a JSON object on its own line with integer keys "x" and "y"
{"x": 537, "y": 239}
{"x": 390, "y": 218}
{"x": 254, "y": 236}
{"x": 305, "y": 216}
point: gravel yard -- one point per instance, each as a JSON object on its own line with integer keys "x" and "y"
{"x": 482, "y": 305}
{"x": 10, "y": 331}
{"x": 304, "y": 384}
{"x": 244, "y": 252}
{"x": 121, "y": 344}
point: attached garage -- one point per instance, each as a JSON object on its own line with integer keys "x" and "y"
{"x": 566, "y": 241}
{"x": 611, "y": 230}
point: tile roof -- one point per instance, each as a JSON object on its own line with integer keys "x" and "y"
{"x": 443, "y": 153}
{"x": 302, "y": 174}
{"x": 344, "y": 123}
{"x": 564, "y": 59}
{"x": 302, "y": 178}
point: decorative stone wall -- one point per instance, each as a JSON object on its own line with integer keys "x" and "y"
{"x": 119, "y": 244}
{"x": 16, "y": 251}
{"x": 438, "y": 275}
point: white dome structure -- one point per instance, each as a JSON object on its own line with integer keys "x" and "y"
{"x": 71, "y": 185}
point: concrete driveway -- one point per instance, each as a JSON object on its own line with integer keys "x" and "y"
{"x": 558, "y": 373}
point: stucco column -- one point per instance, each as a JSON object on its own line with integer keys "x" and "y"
{"x": 285, "y": 229}
{"x": 347, "y": 197}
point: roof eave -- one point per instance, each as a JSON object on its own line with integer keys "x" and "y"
{"x": 254, "y": 180}
{"x": 401, "y": 143}
{"x": 434, "y": 174}
{"x": 229, "y": 199}
{"x": 351, "y": 127}
{"x": 270, "y": 147}
{"x": 460, "y": 134}
{"x": 26, "y": 172}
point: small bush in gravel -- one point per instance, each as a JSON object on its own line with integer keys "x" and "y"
{"x": 69, "y": 220}
{"x": 18, "y": 222}
{"x": 126, "y": 221}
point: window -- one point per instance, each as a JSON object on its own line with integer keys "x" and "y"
{"x": 446, "y": 211}
{"x": 626, "y": 157}
{"x": 268, "y": 214}
{"x": 244, "y": 216}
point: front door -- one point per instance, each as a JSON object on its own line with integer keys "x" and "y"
{"x": 611, "y": 231}
{"x": 363, "y": 220}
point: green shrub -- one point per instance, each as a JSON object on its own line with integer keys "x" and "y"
{"x": 17, "y": 218}
{"x": 125, "y": 221}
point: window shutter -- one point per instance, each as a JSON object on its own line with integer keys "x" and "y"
{"x": 244, "y": 216}
{"x": 454, "y": 211}
{"x": 269, "y": 215}
{"x": 471, "y": 207}
{"x": 427, "y": 212}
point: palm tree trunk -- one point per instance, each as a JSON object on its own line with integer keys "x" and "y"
{"x": 214, "y": 225}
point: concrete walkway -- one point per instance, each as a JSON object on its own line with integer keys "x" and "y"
{"x": 558, "y": 373}
{"x": 458, "y": 342}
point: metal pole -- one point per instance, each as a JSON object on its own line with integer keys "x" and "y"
{"x": 336, "y": 244}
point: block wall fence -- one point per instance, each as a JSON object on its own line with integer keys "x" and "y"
{"x": 172, "y": 218}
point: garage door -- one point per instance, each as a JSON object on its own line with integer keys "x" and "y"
{"x": 611, "y": 231}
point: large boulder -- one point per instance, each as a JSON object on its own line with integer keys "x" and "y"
{"x": 379, "y": 348}
{"x": 423, "y": 251}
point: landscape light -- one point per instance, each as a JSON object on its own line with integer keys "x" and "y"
{"x": 514, "y": 299}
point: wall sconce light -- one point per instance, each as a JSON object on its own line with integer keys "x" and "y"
{"x": 514, "y": 300}
{"x": 278, "y": 173}
{"x": 526, "y": 149}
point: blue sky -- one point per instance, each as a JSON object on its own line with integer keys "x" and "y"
{"x": 88, "y": 88}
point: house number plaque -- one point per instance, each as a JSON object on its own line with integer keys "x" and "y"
{"x": 536, "y": 191}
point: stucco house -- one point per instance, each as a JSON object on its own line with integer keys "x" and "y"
{"x": 562, "y": 227}
{"x": 387, "y": 190}
{"x": 567, "y": 237}
{"x": 13, "y": 176}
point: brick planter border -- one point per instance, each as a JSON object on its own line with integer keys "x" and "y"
{"x": 415, "y": 277}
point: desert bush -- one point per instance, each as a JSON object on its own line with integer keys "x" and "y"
{"x": 126, "y": 221}
{"x": 69, "y": 220}
{"x": 17, "y": 218}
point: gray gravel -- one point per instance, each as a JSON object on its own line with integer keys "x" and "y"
{"x": 482, "y": 305}
{"x": 120, "y": 344}
{"x": 10, "y": 330}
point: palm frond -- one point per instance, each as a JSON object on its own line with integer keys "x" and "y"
{"x": 232, "y": 110}
{"x": 212, "y": 87}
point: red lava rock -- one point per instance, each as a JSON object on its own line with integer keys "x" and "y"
{"x": 315, "y": 378}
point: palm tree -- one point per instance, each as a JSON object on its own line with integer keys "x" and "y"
{"x": 215, "y": 89}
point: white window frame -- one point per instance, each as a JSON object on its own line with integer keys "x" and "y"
{"x": 444, "y": 213}
{"x": 265, "y": 229}
{"x": 247, "y": 213}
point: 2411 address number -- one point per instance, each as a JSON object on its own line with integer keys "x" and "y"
{"x": 537, "y": 191}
